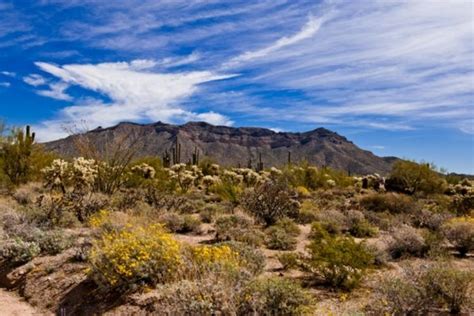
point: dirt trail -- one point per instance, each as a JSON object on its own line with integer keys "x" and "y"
{"x": 12, "y": 305}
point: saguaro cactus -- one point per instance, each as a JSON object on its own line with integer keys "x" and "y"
{"x": 249, "y": 163}
{"x": 196, "y": 156}
{"x": 176, "y": 153}
{"x": 260, "y": 163}
{"x": 16, "y": 155}
{"x": 166, "y": 159}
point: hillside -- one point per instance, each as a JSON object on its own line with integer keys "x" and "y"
{"x": 233, "y": 146}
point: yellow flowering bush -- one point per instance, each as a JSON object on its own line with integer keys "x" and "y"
{"x": 207, "y": 258}
{"x": 99, "y": 219}
{"x": 135, "y": 256}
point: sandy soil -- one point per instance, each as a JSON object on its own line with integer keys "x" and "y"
{"x": 12, "y": 305}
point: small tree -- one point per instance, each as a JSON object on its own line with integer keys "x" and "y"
{"x": 411, "y": 177}
{"x": 270, "y": 202}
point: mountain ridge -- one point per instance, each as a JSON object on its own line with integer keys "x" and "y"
{"x": 234, "y": 146}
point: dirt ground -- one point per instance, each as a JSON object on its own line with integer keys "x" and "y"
{"x": 12, "y": 305}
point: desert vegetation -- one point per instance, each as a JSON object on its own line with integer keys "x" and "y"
{"x": 121, "y": 234}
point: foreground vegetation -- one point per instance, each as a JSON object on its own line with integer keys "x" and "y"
{"x": 113, "y": 233}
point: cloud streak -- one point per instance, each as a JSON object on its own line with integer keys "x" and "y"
{"x": 307, "y": 31}
{"x": 132, "y": 93}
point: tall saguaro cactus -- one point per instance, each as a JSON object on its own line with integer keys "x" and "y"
{"x": 16, "y": 152}
{"x": 260, "y": 162}
{"x": 196, "y": 156}
{"x": 176, "y": 151}
{"x": 166, "y": 159}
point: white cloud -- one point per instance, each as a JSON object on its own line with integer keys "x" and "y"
{"x": 8, "y": 73}
{"x": 5, "y": 84}
{"x": 56, "y": 91}
{"x": 135, "y": 94}
{"x": 35, "y": 80}
{"x": 409, "y": 61}
{"x": 180, "y": 61}
{"x": 307, "y": 31}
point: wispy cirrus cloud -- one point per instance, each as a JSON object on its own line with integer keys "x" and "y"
{"x": 35, "y": 80}
{"x": 134, "y": 93}
{"x": 406, "y": 64}
{"x": 307, "y": 31}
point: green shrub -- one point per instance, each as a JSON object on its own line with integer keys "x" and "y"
{"x": 460, "y": 232}
{"x": 228, "y": 191}
{"x": 54, "y": 242}
{"x": 307, "y": 213}
{"x": 332, "y": 220}
{"x": 289, "y": 226}
{"x": 289, "y": 260}
{"x": 209, "y": 213}
{"x": 238, "y": 228}
{"x": 319, "y": 230}
{"x": 407, "y": 241}
{"x": 359, "y": 226}
{"x": 209, "y": 296}
{"x": 253, "y": 258}
{"x": 270, "y": 202}
{"x": 306, "y": 217}
{"x": 181, "y": 224}
{"x": 339, "y": 260}
{"x": 400, "y": 296}
{"x": 274, "y": 296}
{"x": 173, "y": 221}
{"x": 424, "y": 290}
{"x": 191, "y": 224}
{"x": 17, "y": 251}
{"x": 392, "y": 202}
{"x": 448, "y": 285}
{"x": 463, "y": 205}
{"x": 279, "y": 239}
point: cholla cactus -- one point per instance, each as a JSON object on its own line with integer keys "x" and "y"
{"x": 214, "y": 169}
{"x": 83, "y": 172}
{"x": 144, "y": 170}
{"x": 186, "y": 180}
{"x": 275, "y": 172}
{"x": 250, "y": 177}
{"x": 232, "y": 177}
{"x": 197, "y": 174}
{"x": 80, "y": 174}
{"x": 331, "y": 183}
{"x": 209, "y": 181}
{"x": 57, "y": 174}
{"x": 264, "y": 177}
{"x": 180, "y": 167}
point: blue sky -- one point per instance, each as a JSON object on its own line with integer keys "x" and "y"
{"x": 395, "y": 77}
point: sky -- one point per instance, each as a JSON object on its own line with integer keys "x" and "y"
{"x": 394, "y": 77}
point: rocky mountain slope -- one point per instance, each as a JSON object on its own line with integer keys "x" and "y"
{"x": 233, "y": 146}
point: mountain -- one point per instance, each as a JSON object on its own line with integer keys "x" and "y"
{"x": 231, "y": 146}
